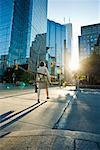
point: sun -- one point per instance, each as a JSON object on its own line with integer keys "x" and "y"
{"x": 73, "y": 66}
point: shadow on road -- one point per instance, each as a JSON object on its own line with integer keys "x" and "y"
{"x": 16, "y": 113}
{"x": 5, "y": 115}
{"x": 20, "y": 116}
{"x": 84, "y": 113}
{"x": 68, "y": 99}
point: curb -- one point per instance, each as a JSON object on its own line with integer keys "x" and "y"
{"x": 68, "y": 103}
{"x": 53, "y": 132}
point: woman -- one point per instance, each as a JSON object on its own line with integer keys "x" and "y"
{"x": 43, "y": 79}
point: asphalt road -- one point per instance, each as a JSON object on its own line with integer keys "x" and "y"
{"x": 84, "y": 113}
{"x": 20, "y": 112}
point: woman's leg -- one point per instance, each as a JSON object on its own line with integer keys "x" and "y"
{"x": 38, "y": 93}
{"x": 47, "y": 92}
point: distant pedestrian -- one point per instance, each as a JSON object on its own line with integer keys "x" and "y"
{"x": 43, "y": 79}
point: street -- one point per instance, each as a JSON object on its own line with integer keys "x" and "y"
{"x": 77, "y": 113}
{"x": 20, "y": 111}
{"x": 84, "y": 114}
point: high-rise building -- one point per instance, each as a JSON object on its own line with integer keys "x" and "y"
{"x": 56, "y": 34}
{"x": 69, "y": 37}
{"x": 59, "y": 43}
{"x": 87, "y": 40}
{"x": 20, "y": 22}
{"x": 68, "y": 51}
{"x": 97, "y": 46}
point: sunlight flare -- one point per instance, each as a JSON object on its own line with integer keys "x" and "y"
{"x": 74, "y": 66}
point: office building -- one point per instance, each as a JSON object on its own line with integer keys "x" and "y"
{"x": 59, "y": 43}
{"x": 56, "y": 34}
{"x": 20, "y": 22}
{"x": 97, "y": 46}
{"x": 88, "y": 39}
{"x": 69, "y": 37}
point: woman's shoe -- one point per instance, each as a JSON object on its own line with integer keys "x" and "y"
{"x": 38, "y": 101}
{"x": 48, "y": 97}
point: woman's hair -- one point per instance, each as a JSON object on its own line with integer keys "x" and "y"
{"x": 42, "y": 64}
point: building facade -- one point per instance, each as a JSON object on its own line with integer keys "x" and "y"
{"x": 56, "y": 34}
{"x": 88, "y": 39}
{"x": 20, "y": 22}
{"x": 68, "y": 51}
{"x": 37, "y": 51}
{"x": 69, "y": 37}
{"x": 97, "y": 46}
{"x": 59, "y": 43}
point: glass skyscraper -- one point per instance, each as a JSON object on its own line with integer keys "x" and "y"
{"x": 20, "y": 22}
{"x": 59, "y": 43}
{"x": 69, "y": 37}
{"x": 56, "y": 34}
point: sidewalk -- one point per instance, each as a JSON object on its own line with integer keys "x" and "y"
{"x": 50, "y": 140}
{"x": 45, "y": 139}
{"x": 24, "y": 107}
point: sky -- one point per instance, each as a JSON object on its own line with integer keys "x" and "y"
{"x": 78, "y": 12}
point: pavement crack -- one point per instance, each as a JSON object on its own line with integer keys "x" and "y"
{"x": 38, "y": 124}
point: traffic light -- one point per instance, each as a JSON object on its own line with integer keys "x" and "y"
{"x": 16, "y": 67}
